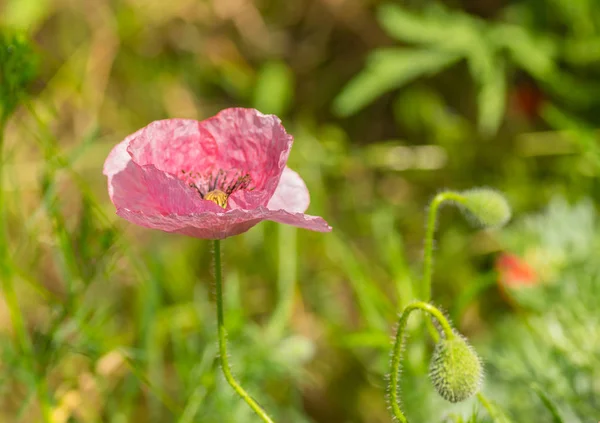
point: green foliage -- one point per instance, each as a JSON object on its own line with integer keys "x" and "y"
{"x": 547, "y": 401}
{"x": 473, "y": 418}
{"x": 109, "y": 322}
{"x": 495, "y": 413}
{"x": 552, "y": 345}
{"x": 388, "y": 69}
{"x": 447, "y": 37}
{"x": 493, "y": 51}
{"x": 274, "y": 88}
{"x": 18, "y": 67}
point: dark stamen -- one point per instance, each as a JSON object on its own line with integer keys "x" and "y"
{"x": 240, "y": 182}
{"x": 216, "y": 183}
{"x": 227, "y": 182}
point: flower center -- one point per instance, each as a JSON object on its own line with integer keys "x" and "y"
{"x": 218, "y": 197}
{"x": 217, "y": 186}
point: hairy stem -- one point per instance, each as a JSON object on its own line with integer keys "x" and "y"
{"x": 394, "y": 383}
{"x": 429, "y": 235}
{"x": 428, "y": 253}
{"x": 222, "y": 334}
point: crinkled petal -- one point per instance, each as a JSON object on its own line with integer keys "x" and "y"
{"x": 117, "y": 161}
{"x": 235, "y": 140}
{"x": 291, "y": 193}
{"x": 209, "y": 225}
{"x": 147, "y": 189}
{"x": 300, "y": 220}
{"x": 150, "y": 190}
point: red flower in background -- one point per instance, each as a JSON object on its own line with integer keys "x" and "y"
{"x": 526, "y": 99}
{"x": 211, "y": 179}
{"x": 514, "y": 272}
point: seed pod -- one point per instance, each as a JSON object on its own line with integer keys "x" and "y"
{"x": 455, "y": 369}
{"x": 488, "y": 207}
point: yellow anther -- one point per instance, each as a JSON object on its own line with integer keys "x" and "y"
{"x": 218, "y": 197}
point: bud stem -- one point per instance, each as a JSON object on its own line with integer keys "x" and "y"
{"x": 437, "y": 201}
{"x": 429, "y": 234}
{"x": 394, "y": 384}
{"x": 222, "y": 334}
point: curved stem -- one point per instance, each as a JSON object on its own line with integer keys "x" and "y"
{"x": 222, "y": 334}
{"x": 429, "y": 234}
{"x": 394, "y": 384}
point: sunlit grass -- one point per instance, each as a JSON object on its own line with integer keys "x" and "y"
{"x": 104, "y": 321}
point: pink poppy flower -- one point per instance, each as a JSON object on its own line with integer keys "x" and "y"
{"x": 211, "y": 179}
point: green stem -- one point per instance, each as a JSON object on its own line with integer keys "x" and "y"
{"x": 495, "y": 414}
{"x": 3, "y": 232}
{"x": 486, "y": 404}
{"x": 42, "y": 391}
{"x": 286, "y": 281}
{"x": 428, "y": 254}
{"x": 394, "y": 384}
{"x": 10, "y": 296}
{"x": 429, "y": 235}
{"x": 222, "y": 332}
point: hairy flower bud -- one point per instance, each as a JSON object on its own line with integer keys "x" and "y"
{"x": 488, "y": 207}
{"x": 455, "y": 369}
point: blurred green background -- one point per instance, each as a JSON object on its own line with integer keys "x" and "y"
{"x": 389, "y": 103}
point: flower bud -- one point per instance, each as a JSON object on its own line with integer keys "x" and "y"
{"x": 455, "y": 369}
{"x": 488, "y": 207}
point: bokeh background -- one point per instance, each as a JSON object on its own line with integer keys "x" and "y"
{"x": 389, "y": 102}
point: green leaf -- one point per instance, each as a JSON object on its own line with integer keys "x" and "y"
{"x": 274, "y": 88}
{"x": 537, "y": 55}
{"x": 575, "y": 130}
{"x": 407, "y": 26}
{"x": 534, "y": 53}
{"x": 488, "y": 71}
{"x": 493, "y": 410}
{"x": 18, "y": 68}
{"x": 386, "y": 70}
{"x": 463, "y": 36}
{"x": 548, "y": 403}
{"x": 491, "y": 99}
{"x": 446, "y": 31}
{"x": 582, "y": 52}
{"x": 26, "y": 15}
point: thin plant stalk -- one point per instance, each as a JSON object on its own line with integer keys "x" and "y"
{"x": 396, "y": 362}
{"x": 3, "y": 232}
{"x": 494, "y": 413}
{"x": 10, "y": 296}
{"x": 428, "y": 253}
{"x": 429, "y": 235}
{"x": 286, "y": 280}
{"x": 222, "y": 335}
